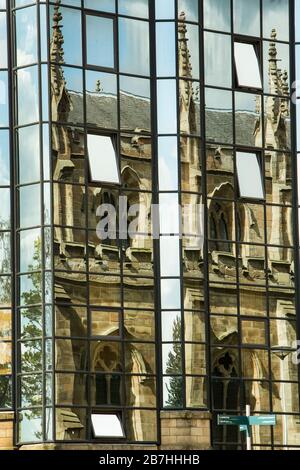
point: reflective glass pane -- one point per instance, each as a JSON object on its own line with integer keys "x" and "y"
{"x": 101, "y": 100}
{"x": 5, "y": 358}
{"x": 247, "y": 66}
{"x": 3, "y": 99}
{"x": 217, "y": 15}
{"x": 135, "y": 104}
{"x": 169, "y": 257}
{"x": 165, "y": 9}
{"x": 31, "y": 356}
{"x": 100, "y": 41}
{"x": 248, "y": 119}
{"x": 275, "y": 54}
{"x": 188, "y": 50}
{"x": 247, "y": 17}
{"x": 29, "y": 154}
{"x": 5, "y": 208}
{"x": 166, "y": 55}
{"x": 31, "y": 322}
{"x": 249, "y": 175}
{"x": 31, "y": 390}
{"x": 170, "y": 294}
{"x": 190, "y": 9}
{"x": 173, "y": 392}
{"x": 147, "y": 431}
{"x": 3, "y": 40}
{"x": 30, "y": 206}
{"x": 30, "y": 427}
{"x": 217, "y": 59}
{"x": 196, "y": 392}
{"x": 102, "y": 159}
{"x": 138, "y": 8}
{"x": 254, "y": 332}
{"x": 26, "y": 35}
{"x": 172, "y": 358}
{"x": 4, "y": 158}
{"x": 105, "y": 323}
{"x": 71, "y": 29}
{"x": 140, "y": 324}
{"x": 134, "y": 46}
{"x": 5, "y": 321}
{"x": 276, "y": 16}
{"x": 30, "y": 250}
{"x": 101, "y": 5}
{"x": 5, "y": 392}
{"x": 30, "y": 289}
{"x": 166, "y": 107}
{"x": 195, "y": 360}
{"x": 219, "y": 122}
{"x": 140, "y": 391}
{"x": 168, "y": 164}
{"x": 171, "y": 326}
{"x": 28, "y": 92}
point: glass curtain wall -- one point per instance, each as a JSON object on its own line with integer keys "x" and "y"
{"x": 5, "y": 223}
{"x": 33, "y": 278}
{"x": 250, "y": 216}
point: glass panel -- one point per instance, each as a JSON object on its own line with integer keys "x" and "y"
{"x": 5, "y": 322}
{"x": 102, "y": 159}
{"x": 30, "y": 212}
{"x": 72, "y": 110}
{"x": 247, "y": 66}
{"x": 170, "y": 294}
{"x": 249, "y": 175}
{"x": 3, "y": 99}
{"x": 134, "y": 46}
{"x": 29, "y": 154}
{"x": 166, "y": 55}
{"x": 217, "y": 15}
{"x": 5, "y": 392}
{"x": 165, "y": 9}
{"x": 71, "y": 24}
{"x": 30, "y": 250}
{"x": 3, "y": 38}
{"x": 105, "y": 323}
{"x": 172, "y": 358}
{"x": 26, "y": 35}
{"x": 171, "y": 326}
{"x": 108, "y": 426}
{"x": 247, "y": 17}
{"x": 4, "y": 157}
{"x": 188, "y": 49}
{"x": 101, "y": 5}
{"x": 70, "y": 432}
{"x": 71, "y": 389}
{"x": 276, "y": 16}
{"x": 138, "y": 8}
{"x": 31, "y": 390}
{"x": 31, "y": 356}
{"x": 274, "y": 54}
{"x": 254, "y": 332}
{"x": 167, "y": 163}
{"x": 5, "y": 291}
{"x": 140, "y": 391}
{"x": 5, "y": 358}
{"x": 5, "y": 253}
{"x": 166, "y": 107}
{"x": 31, "y": 322}
{"x": 139, "y": 324}
{"x": 173, "y": 392}
{"x": 190, "y": 8}
{"x": 169, "y": 257}
{"x": 147, "y": 431}
{"x": 5, "y": 209}
{"x": 255, "y": 363}
{"x": 100, "y": 41}
{"x": 106, "y": 356}
{"x": 169, "y": 214}
{"x": 135, "y": 104}
{"x": 217, "y": 60}
{"x": 30, "y": 425}
{"x": 196, "y": 392}
{"x": 248, "y": 119}
{"x": 106, "y": 389}
{"x": 140, "y": 358}
{"x": 101, "y": 100}
{"x": 195, "y": 360}
{"x": 194, "y": 326}
{"x": 219, "y": 122}
{"x": 28, "y": 92}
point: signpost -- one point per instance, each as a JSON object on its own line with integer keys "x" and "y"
{"x": 245, "y": 422}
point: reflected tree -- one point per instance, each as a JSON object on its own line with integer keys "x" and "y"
{"x": 32, "y": 328}
{"x": 174, "y": 366}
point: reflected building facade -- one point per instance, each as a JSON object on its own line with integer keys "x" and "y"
{"x": 165, "y": 332}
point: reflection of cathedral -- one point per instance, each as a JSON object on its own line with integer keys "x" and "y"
{"x": 119, "y": 342}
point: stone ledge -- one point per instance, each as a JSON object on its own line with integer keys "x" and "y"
{"x": 197, "y": 415}
{"x": 84, "y": 447}
{"x": 7, "y": 416}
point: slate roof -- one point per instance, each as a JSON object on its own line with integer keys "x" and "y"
{"x": 102, "y": 109}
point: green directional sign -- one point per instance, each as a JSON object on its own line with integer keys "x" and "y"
{"x": 245, "y": 428}
{"x": 262, "y": 420}
{"x": 224, "y": 420}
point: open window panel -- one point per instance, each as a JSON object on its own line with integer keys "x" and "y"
{"x": 103, "y": 161}
{"x": 249, "y": 175}
{"x": 107, "y": 426}
{"x": 247, "y": 66}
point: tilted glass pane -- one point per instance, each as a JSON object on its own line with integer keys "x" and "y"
{"x": 247, "y": 66}
{"x": 102, "y": 159}
{"x": 249, "y": 175}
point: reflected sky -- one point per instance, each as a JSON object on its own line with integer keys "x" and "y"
{"x": 217, "y": 15}
{"x": 165, "y": 49}
{"x": 138, "y": 8}
{"x": 165, "y": 10}
{"x": 3, "y": 41}
{"x": 217, "y": 60}
{"x": 28, "y": 90}
{"x": 167, "y": 163}
{"x": 4, "y": 158}
{"x": 26, "y": 35}
{"x": 247, "y": 17}
{"x": 190, "y": 7}
{"x": 133, "y": 46}
{"x": 166, "y": 107}
{"x": 29, "y": 154}
{"x": 276, "y": 16}
{"x": 3, "y": 99}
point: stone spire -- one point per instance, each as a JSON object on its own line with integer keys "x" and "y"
{"x": 186, "y": 92}
{"x": 56, "y": 50}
